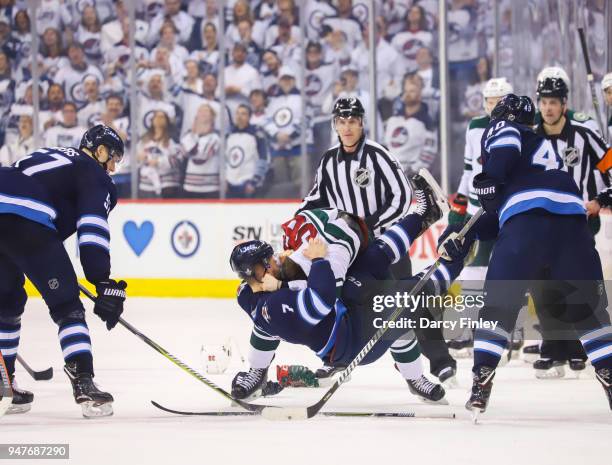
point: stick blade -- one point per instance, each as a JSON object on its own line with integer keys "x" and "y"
{"x": 44, "y": 375}
{"x": 285, "y": 413}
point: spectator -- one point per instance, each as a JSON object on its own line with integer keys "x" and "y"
{"x": 8, "y": 43}
{"x": 317, "y": 11}
{"x": 270, "y": 75}
{"x": 115, "y": 31}
{"x": 168, "y": 41}
{"x": 245, "y": 32}
{"x": 192, "y": 82}
{"x": 95, "y": 106}
{"x": 89, "y": 34}
{"x": 345, "y": 23}
{"x": 241, "y": 12}
{"x": 154, "y": 100}
{"x": 284, "y": 130}
{"x": 287, "y": 43}
{"x": 53, "y": 106}
{"x": 52, "y": 50}
{"x": 407, "y": 134}
{"x": 320, "y": 77}
{"x": 52, "y": 13}
{"x": 471, "y": 105}
{"x": 7, "y": 91}
{"x": 240, "y": 78}
{"x": 113, "y": 116}
{"x": 23, "y": 106}
{"x": 202, "y": 145}
{"x": 412, "y": 89}
{"x": 606, "y": 87}
{"x": 159, "y": 158}
{"x": 22, "y": 34}
{"x": 182, "y": 21}
{"x": 416, "y": 36}
{"x": 190, "y": 102}
{"x": 258, "y": 102}
{"x": 208, "y": 56}
{"x": 22, "y": 146}
{"x": 335, "y": 47}
{"x": 247, "y": 159}
{"x": 66, "y": 133}
{"x": 431, "y": 84}
{"x": 172, "y": 67}
{"x": 71, "y": 77}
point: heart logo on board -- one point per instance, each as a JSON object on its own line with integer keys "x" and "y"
{"x": 138, "y": 237}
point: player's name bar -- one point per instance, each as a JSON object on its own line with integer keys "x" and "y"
{"x": 34, "y": 451}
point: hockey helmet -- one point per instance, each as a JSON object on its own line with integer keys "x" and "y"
{"x": 552, "y": 87}
{"x": 348, "y": 106}
{"x": 103, "y": 135}
{"x": 554, "y": 72}
{"x": 606, "y": 81}
{"x": 497, "y": 87}
{"x": 514, "y": 108}
{"x": 245, "y": 256}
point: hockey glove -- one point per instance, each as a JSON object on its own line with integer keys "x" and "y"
{"x": 109, "y": 303}
{"x": 605, "y": 198}
{"x": 296, "y": 376}
{"x": 450, "y": 247}
{"x": 486, "y": 188}
{"x": 458, "y": 203}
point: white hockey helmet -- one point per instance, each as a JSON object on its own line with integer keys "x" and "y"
{"x": 554, "y": 72}
{"x": 496, "y": 87}
{"x": 606, "y": 81}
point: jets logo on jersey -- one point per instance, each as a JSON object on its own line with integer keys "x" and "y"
{"x": 360, "y": 11}
{"x": 283, "y": 117}
{"x": 78, "y": 93}
{"x": 474, "y": 101}
{"x": 411, "y": 47}
{"x": 362, "y": 177}
{"x": 236, "y": 156}
{"x": 91, "y": 47}
{"x": 571, "y": 156}
{"x": 399, "y": 137}
{"x": 315, "y": 20}
{"x": 313, "y": 85}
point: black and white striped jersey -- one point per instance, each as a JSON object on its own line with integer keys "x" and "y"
{"x": 369, "y": 183}
{"x": 585, "y": 155}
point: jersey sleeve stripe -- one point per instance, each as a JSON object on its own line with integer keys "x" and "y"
{"x": 319, "y": 305}
{"x": 507, "y": 141}
{"x": 30, "y": 204}
{"x": 94, "y": 239}
{"x": 303, "y": 309}
{"x": 93, "y": 220}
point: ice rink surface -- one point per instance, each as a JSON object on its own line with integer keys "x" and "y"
{"x": 529, "y": 421}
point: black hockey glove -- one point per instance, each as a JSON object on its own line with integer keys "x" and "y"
{"x": 486, "y": 188}
{"x": 452, "y": 249}
{"x": 605, "y": 198}
{"x": 109, "y": 303}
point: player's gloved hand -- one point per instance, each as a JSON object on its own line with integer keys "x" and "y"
{"x": 109, "y": 303}
{"x": 458, "y": 203}
{"x": 486, "y": 188}
{"x": 450, "y": 247}
{"x": 605, "y": 198}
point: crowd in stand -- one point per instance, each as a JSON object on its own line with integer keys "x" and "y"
{"x": 83, "y": 62}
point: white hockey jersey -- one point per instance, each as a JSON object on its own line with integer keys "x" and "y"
{"x": 472, "y": 160}
{"x": 319, "y": 84}
{"x": 91, "y": 113}
{"x": 91, "y": 44}
{"x": 247, "y": 157}
{"x": 62, "y": 136}
{"x": 10, "y": 153}
{"x": 203, "y": 162}
{"x": 72, "y": 81}
{"x": 148, "y": 107}
{"x": 408, "y": 43}
{"x": 284, "y": 115}
{"x": 411, "y": 142}
{"x": 166, "y": 173}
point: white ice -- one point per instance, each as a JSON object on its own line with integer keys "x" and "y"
{"x": 529, "y": 421}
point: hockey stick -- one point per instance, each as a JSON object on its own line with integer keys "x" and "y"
{"x": 178, "y": 363}
{"x": 6, "y": 392}
{"x": 587, "y": 62}
{"x": 325, "y": 414}
{"x": 43, "y": 375}
{"x": 302, "y": 413}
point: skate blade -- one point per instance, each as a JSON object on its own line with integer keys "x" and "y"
{"x": 552, "y": 373}
{"x": 461, "y": 353}
{"x": 15, "y": 409}
{"x": 451, "y": 383}
{"x": 255, "y": 395}
{"x": 93, "y": 409}
{"x": 425, "y": 400}
{"x": 529, "y": 358}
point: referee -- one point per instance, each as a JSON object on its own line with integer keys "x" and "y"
{"x": 588, "y": 160}
{"x": 358, "y": 175}
{"x": 361, "y": 177}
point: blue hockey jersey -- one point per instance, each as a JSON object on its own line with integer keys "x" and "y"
{"x": 65, "y": 190}
{"x": 528, "y": 171}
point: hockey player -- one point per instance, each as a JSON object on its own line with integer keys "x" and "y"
{"x": 536, "y": 211}
{"x": 465, "y": 202}
{"x": 45, "y": 198}
{"x": 588, "y": 160}
{"x": 373, "y": 264}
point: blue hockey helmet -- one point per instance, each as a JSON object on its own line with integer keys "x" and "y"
{"x": 245, "y": 256}
{"x": 514, "y": 108}
{"x": 103, "y": 135}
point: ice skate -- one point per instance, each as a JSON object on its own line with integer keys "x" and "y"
{"x": 94, "y": 403}
{"x": 481, "y": 391}
{"x": 22, "y": 399}
{"x": 428, "y": 392}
